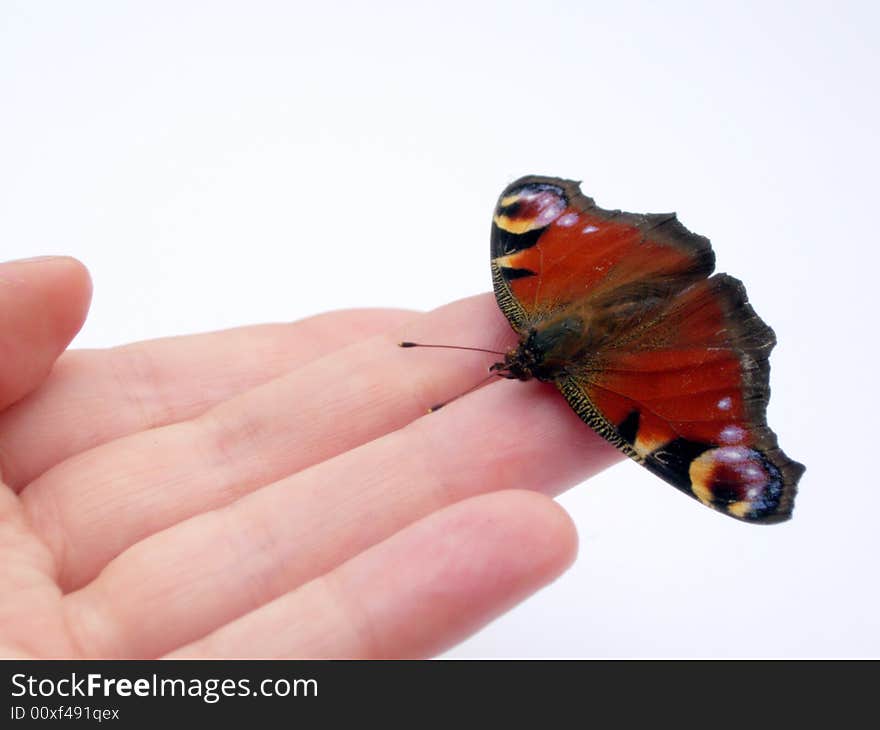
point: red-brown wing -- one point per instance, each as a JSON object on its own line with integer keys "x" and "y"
{"x": 552, "y": 247}
{"x": 687, "y": 392}
{"x": 673, "y": 366}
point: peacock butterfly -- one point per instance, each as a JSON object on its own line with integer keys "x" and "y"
{"x": 666, "y": 361}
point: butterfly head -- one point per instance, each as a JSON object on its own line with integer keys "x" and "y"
{"x": 545, "y": 352}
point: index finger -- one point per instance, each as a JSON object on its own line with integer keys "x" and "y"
{"x": 94, "y": 396}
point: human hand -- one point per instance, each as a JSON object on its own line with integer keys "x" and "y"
{"x": 275, "y": 490}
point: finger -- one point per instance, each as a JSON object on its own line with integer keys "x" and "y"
{"x": 417, "y": 593}
{"x": 95, "y": 396}
{"x": 94, "y": 505}
{"x": 43, "y": 304}
{"x": 190, "y": 579}
{"x": 31, "y": 619}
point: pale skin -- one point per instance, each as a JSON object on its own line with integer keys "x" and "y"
{"x": 270, "y": 491}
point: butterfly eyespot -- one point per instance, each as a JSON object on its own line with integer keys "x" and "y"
{"x": 529, "y": 208}
{"x": 737, "y": 479}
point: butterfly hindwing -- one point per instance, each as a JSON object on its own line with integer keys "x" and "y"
{"x": 667, "y": 364}
{"x": 688, "y": 394}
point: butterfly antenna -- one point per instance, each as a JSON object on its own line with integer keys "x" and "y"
{"x": 450, "y": 347}
{"x": 469, "y": 390}
{"x": 485, "y": 380}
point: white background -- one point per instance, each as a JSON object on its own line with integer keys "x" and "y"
{"x": 217, "y": 164}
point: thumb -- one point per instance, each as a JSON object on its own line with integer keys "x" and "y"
{"x": 43, "y": 303}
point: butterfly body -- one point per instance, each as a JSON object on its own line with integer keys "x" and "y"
{"x": 546, "y": 352}
{"x": 666, "y": 362}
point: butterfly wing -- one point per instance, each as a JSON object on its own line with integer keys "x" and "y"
{"x": 671, "y": 366}
{"x": 552, "y": 247}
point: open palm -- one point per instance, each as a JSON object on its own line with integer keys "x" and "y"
{"x": 273, "y": 490}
